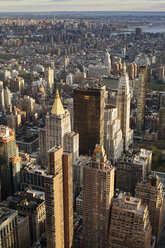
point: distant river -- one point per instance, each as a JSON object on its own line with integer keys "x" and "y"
{"x": 145, "y": 29}
{"x": 154, "y": 29}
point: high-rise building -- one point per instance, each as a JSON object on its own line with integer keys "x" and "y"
{"x": 150, "y": 191}
{"x": 107, "y": 62}
{"x": 141, "y": 98}
{"x": 54, "y": 211}
{"x": 138, "y": 32}
{"x": 98, "y": 191}
{"x": 123, "y": 105}
{"x": 9, "y": 162}
{"x": 49, "y": 78}
{"x": 131, "y": 168}
{"x": 161, "y": 132}
{"x": 7, "y": 97}
{"x": 2, "y": 99}
{"x": 163, "y": 57}
{"x": 89, "y": 117}
{"x": 42, "y": 145}
{"x": 113, "y": 141}
{"x": 129, "y": 223}
{"x": 68, "y": 198}
{"x": 8, "y": 227}
{"x": 59, "y": 199}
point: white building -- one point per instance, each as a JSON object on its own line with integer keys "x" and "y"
{"x": 123, "y": 105}
{"x": 7, "y": 96}
{"x": 107, "y": 62}
{"x": 70, "y": 79}
{"x": 113, "y": 140}
{"x": 57, "y": 124}
{"x": 98, "y": 70}
{"x": 58, "y": 132}
{"x": 2, "y": 99}
{"x": 71, "y": 144}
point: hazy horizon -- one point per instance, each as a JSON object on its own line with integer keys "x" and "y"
{"x": 79, "y": 5}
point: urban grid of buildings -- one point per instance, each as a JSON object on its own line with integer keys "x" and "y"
{"x": 82, "y": 131}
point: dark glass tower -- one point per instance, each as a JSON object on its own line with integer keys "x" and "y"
{"x": 89, "y": 117}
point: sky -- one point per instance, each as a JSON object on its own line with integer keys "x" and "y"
{"x": 81, "y": 5}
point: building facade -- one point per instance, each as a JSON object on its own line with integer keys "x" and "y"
{"x": 113, "y": 141}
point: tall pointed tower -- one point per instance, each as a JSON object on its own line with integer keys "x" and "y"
{"x": 57, "y": 124}
{"x": 123, "y": 104}
{"x": 58, "y": 132}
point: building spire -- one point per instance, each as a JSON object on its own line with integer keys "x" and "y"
{"x": 57, "y": 108}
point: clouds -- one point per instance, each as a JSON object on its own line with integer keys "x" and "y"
{"x": 81, "y": 5}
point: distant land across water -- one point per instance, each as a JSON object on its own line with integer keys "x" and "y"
{"x": 90, "y": 13}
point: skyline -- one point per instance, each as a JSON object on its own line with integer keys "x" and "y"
{"x": 79, "y": 5}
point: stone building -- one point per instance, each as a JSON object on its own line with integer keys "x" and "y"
{"x": 113, "y": 141}
{"x": 98, "y": 191}
{"x": 131, "y": 168}
{"x": 150, "y": 191}
{"x": 129, "y": 223}
{"x": 123, "y": 104}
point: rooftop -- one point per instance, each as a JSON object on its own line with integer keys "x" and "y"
{"x": 127, "y": 202}
{"x": 6, "y": 213}
{"x": 6, "y": 134}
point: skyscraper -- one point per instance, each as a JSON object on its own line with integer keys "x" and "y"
{"x": 161, "y": 133}
{"x": 2, "y": 99}
{"x": 89, "y": 117}
{"x": 57, "y": 124}
{"x": 68, "y": 198}
{"x": 142, "y": 89}
{"x": 54, "y": 200}
{"x": 7, "y": 95}
{"x": 9, "y": 162}
{"x": 59, "y": 199}
{"x": 113, "y": 141}
{"x": 107, "y": 62}
{"x": 123, "y": 104}
{"x": 98, "y": 191}
{"x": 58, "y": 132}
